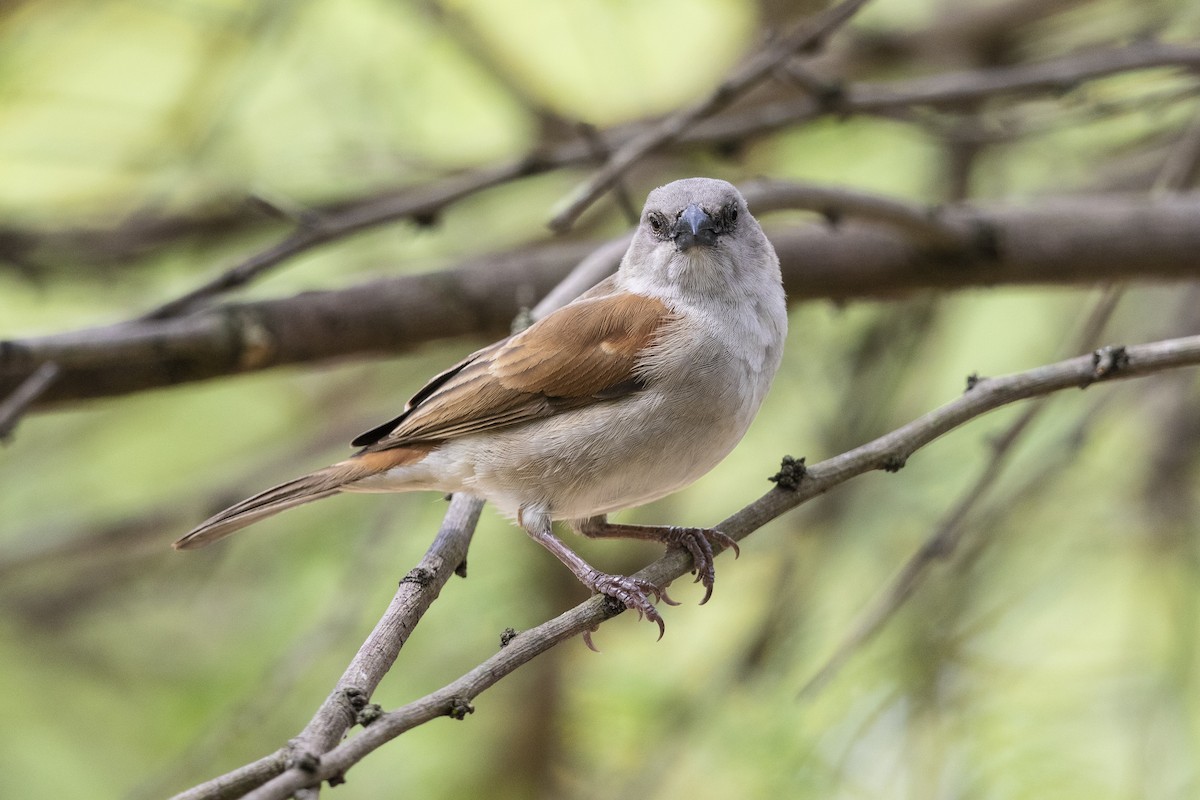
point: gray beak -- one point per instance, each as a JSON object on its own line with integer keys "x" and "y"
{"x": 694, "y": 227}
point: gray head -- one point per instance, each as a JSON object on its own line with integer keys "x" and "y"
{"x": 694, "y": 236}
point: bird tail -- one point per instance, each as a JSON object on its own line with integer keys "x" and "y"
{"x": 314, "y": 486}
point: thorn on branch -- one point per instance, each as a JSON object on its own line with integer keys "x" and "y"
{"x": 336, "y": 780}
{"x": 368, "y": 714}
{"x": 506, "y": 636}
{"x": 791, "y": 472}
{"x": 893, "y": 463}
{"x": 461, "y": 569}
{"x": 973, "y": 380}
{"x": 459, "y": 708}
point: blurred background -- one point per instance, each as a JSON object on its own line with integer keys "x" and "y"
{"x": 146, "y": 147}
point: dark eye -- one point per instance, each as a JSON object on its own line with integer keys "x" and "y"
{"x": 658, "y": 223}
{"x": 731, "y": 214}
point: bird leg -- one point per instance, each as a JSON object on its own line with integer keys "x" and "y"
{"x": 698, "y": 542}
{"x": 634, "y": 593}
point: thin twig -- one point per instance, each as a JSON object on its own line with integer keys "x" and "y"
{"x": 143, "y": 233}
{"x": 599, "y": 264}
{"x": 22, "y": 397}
{"x": 600, "y": 151}
{"x": 421, "y": 202}
{"x": 949, "y": 533}
{"x": 923, "y": 223}
{"x": 809, "y": 35}
{"x": 1054, "y": 75}
{"x": 1177, "y": 171}
{"x": 372, "y": 661}
{"x": 888, "y": 452}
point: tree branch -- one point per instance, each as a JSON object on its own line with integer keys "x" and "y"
{"x": 22, "y": 397}
{"x": 889, "y": 452}
{"x": 1055, "y": 75}
{"x": 375, "y": 657}
{"x": 416, "y": 203}
{"x": 1073, "y": 241}
{"x": 333, "y": 221}
{"x": 809, "y": 35}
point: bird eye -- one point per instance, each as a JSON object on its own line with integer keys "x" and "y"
{"x": 657, "y": 222}
{"x": 731, "y": 214}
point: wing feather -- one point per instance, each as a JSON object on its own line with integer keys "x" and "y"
{"x": 585, "y": 352}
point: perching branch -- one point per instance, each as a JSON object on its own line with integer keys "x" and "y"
{"x": 350, "y": 695}
{"x": 1176, "y": 174}
{"x": 348, "y": 701}
{"x": 796, "y": 486}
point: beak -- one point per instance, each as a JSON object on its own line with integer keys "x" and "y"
{"x": 694, "y": 227}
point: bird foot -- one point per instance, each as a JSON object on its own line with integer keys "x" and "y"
{"x": 698, "y": 542}
{"x": 634, "y": 594}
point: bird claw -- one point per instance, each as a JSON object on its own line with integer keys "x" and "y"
{"x": 587, "y": 638}
{"x": 698, "y": 542}
{"x": 634, "y": 594}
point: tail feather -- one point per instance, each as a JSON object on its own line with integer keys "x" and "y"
{"x": 314, "y": 486}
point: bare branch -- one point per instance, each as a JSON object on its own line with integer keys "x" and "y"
{"x": 24, "y": 396}
{"x": 949, "y": 532}
{"x": 1175, "y": 175}
{"x": 1070, "y": 241}
{"x": 949, "y": 89}
{"x": 923, "y": 224}
{"x": 809, "y": 35}
{"x": 423, "y": 201}
{"x": 375, "y": 657}
{"x": 332, "y": 221}
{"x": 348, "y": 700}
{"x": 888, "y": 452}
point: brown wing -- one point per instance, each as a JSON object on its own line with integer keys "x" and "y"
{"x": 583, "y": 352}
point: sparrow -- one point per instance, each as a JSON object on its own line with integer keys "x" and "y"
{"x": 630, "y": 392}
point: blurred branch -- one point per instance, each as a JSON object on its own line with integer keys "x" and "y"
{"x": 921, "y": 223}
{"x": 1058, "y": 75}
{"x": 421, "y": 202}
{"x": 809, "y": 35}
{"x": 375, "y": 657}
{"x": 27, "y": 391}
{"x": 1176, "y": 174}
{"x": 888, "y": 453}
{"x": 348, "y": 704}
{"x": 959, "y": 32}
{"x": 1069, "y": 241}
{"x": 949, "y": 533}
{"x": 330, "y": 222}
